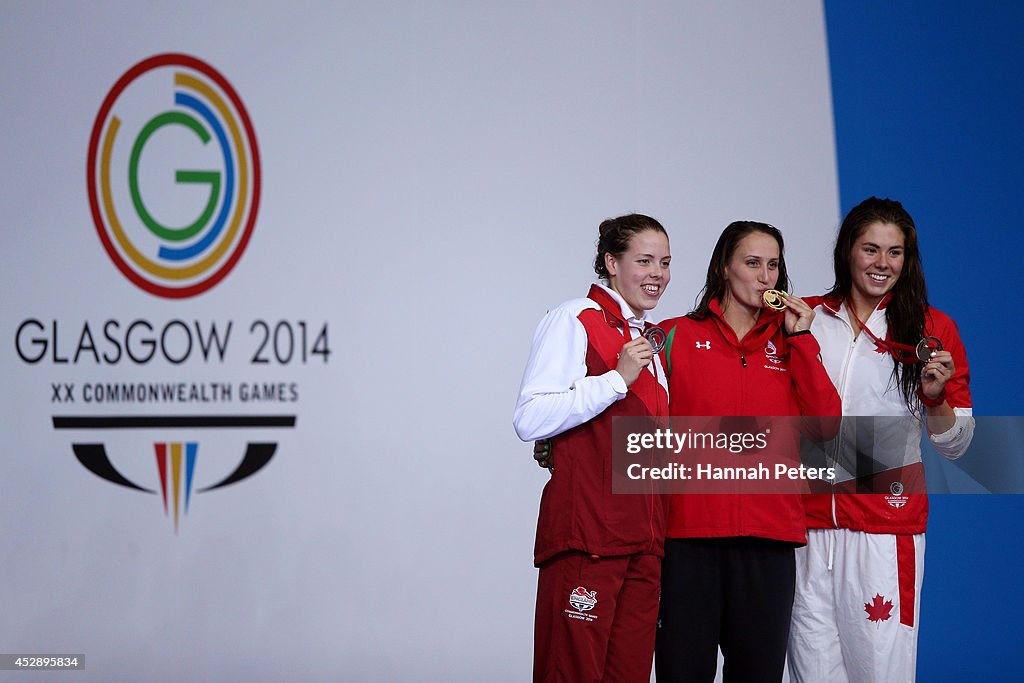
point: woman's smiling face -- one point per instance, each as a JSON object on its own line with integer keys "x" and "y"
{"x": 876, "y": 261}
{"x": 641, "y": 274}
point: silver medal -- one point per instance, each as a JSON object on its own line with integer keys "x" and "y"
{"x": 657, "y": 337}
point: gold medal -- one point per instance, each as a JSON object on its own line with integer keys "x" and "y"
{"x": 773, "y": 299}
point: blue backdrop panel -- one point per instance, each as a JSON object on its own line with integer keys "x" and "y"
{"x": 927, "y": 100}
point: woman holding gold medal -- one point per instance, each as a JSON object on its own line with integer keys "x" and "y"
{"x": 599, "y": 554}
{"x": 900, "y": 367}
{"x": 728, "y": 572}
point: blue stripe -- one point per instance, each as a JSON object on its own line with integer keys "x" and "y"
{"x": 190, "y": 468}
{"x": 183, "y": 253}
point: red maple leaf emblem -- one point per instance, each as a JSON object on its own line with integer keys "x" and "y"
{"x": 879, "y": 609}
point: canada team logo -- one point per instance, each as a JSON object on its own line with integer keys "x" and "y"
{"x": 879, "y": 609}
{"x": 173, "y": 175}
{"x": 582, "y": 599}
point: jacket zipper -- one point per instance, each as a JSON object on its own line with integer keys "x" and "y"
{"x": 842, "y": 396}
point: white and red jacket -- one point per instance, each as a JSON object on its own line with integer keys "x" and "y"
{"x": 767, "y": 373}
{"x": 570, "y": 393}
{"x": 862, "y": 373}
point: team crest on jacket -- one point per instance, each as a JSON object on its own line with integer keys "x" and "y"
{"x": 896, "y": 498}
{"x": 772, "y": 353}
{"x": 582, "y": 599}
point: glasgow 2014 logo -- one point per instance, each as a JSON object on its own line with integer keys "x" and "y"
{"x": 173, "y": 188}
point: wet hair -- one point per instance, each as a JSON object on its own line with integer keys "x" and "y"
{"x": 905, "y": 312}
{"x": 715, "y": 284}
{"x": 615, "y": 234}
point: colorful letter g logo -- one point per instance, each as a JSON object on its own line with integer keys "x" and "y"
{"x": 173, "y": 261}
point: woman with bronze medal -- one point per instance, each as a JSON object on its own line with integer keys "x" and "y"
{"x": 900, "y": 367}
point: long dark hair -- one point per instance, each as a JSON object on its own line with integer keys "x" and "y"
{"x": 905, "y": 312}
{"x": 714, "y": 285}
{"x": 614, "y": 235}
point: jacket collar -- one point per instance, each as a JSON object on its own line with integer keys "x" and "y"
{"x": 767, "y": 322}
{"x": 834, "y": 302}
{"x": 615, "y": 306}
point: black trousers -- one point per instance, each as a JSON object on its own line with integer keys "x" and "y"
{"x": 733, "y": 593}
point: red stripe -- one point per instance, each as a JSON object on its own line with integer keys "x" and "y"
{"x": 161, "y": 466}
{"x": 906, "y": 572}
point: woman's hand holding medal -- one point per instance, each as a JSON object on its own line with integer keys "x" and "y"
{"x": 633, "y": 358}
{"x": 798, "y": 314}
{"x": 936, "y": 372}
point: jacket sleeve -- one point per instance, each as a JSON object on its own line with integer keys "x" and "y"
{"x": 557, "y": 394}
{"x": 815, "y": 394}
{"x": 955, "y": 441}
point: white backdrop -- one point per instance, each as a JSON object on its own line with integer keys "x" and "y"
{"x": 433, "y": 177}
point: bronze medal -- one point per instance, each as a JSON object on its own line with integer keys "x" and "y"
{"x": 927, "y": 347}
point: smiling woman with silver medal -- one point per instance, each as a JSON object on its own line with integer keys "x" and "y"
{"x": 599, "y": 554}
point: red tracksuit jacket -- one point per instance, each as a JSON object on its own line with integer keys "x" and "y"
{"x": 711, "y": 372}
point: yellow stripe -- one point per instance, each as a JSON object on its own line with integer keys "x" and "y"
{"x": 176, "y": 478}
